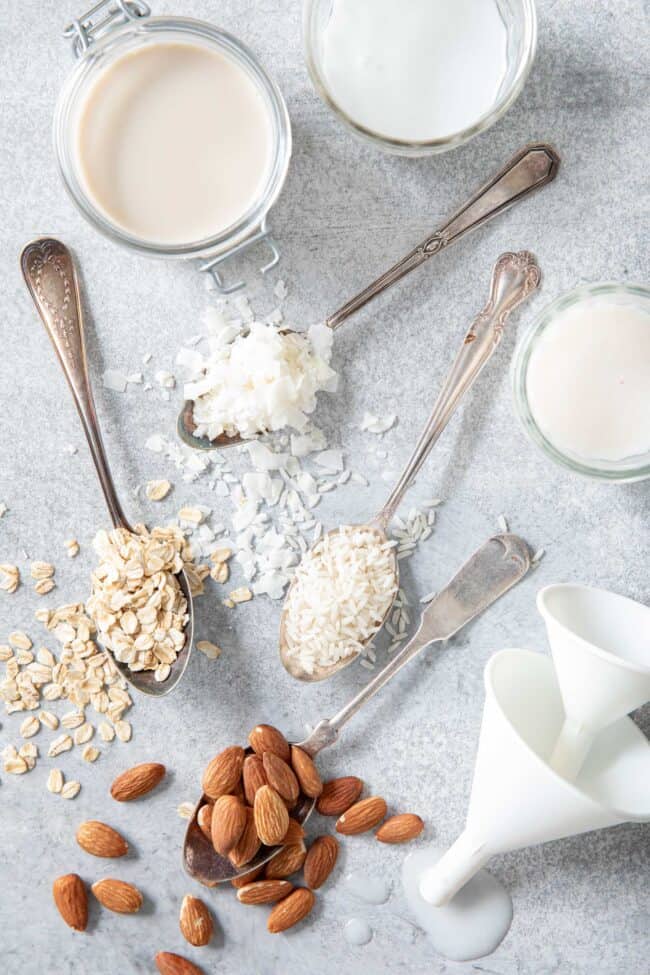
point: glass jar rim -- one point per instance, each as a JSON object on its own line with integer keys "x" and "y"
{"x": 624, "y": 471}
{"x": 149, "y": 27}
{"x": 407, "y": 147}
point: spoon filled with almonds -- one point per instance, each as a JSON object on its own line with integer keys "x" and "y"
{"x": 141, "y": 601}
{"x": 248, "y": 826}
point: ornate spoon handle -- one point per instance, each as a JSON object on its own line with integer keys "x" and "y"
{"x": 514, "y": 277}
{"x": 529, "y": 169}
{"x": 51, "y": 279}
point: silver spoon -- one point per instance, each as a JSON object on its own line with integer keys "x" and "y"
{"x": 514, "y": 277}
{"x": 528, "y": 170}
{"x": 491, "y": 571}
{"x": 51, "y": 279}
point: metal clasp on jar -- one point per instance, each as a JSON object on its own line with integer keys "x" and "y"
{"x": 104, "y": 16}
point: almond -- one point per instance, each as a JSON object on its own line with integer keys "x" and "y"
{"x": 248, "y": 843}
{"x": 253, "y": 777}
{"x": 71, "y": 900}
{"x": 101, "y": 840}
{"x": 294, "y": 834}
{"x": 289, "y": 860}
{"x": 195, "y": 921}
{"x": 137, "y": 781}
{"x": 289, "y": 911}
{"x": 266, "y": 738}
{"x": 271, "y": 816}
{"x": 362, "y": 816}
{"x": 400, "y": 829}
{"x": 264, "y": 891}
{"x": 168, "y": 963}
{"x": 228, "y": 823}
{"x": 117, "y": 895}
{"x": 204, "y": 820}
{"x": 281, "y": 777}
{"x": 320, "y": 861}
{"x": 246, "y": 878}
{"x": 305, "y": 769}
{"x": 223, "y": 773}
{"x": 338, "y": 795}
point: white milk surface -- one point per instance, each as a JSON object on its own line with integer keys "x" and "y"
{"x": 415, "y": 70}
{"x": 173, "y": 142}
{"x": 588, "y": 380}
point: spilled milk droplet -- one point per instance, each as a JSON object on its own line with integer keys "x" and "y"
{"x": 475, "y": 921}
{"x": 357, "y": 931}
{"x": 372, "y": 890}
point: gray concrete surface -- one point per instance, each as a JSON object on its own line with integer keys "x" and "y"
{"x": 581, "y": 905}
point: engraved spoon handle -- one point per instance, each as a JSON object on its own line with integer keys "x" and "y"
{"x": 514, "y": 277}
{"x": 489, "y": 573}
{"x": 51, "y": 279}
{"x": 528, "y": 170}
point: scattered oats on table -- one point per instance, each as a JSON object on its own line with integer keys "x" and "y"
{"x": 72, "y": 547}
{"x": 210, "y": 650}
{"x": 9, "y": 577}
{"x": 185, "y": 810}
{"x": 157, "y": 490}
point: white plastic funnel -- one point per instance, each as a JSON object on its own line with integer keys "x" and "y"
{"x": 517, "y": 799}
{"x": 601, "y": 649}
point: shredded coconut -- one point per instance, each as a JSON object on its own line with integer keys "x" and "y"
{"x": 256, "y": 380}
{"x": 341, "y": 593}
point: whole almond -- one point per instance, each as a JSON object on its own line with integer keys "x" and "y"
{"x": 305, "y": 769}
{"x": 362, "y": 816}
{"x": 253, "y": 777}
{"x": 320, "y": 860}
{"x": 266, "y": 738}
{"x": 281, "y": 777}
{"x": 289, "y": 860}
{"x": 294, "y": 834}
{"x": 137, "y": 781}
{"x": 204, "y": 819}
{"x": 246, "y": 878}
{"x": 271, "y": 816}
{"x": 118, "y": 895}
{"x": 224, "y": 772}
{"x": 338, "y": 795}
{"x": 168, "y": 963}
{"x": 195, "y": 921}
{"x": 289, "y": 911}
{"x": 228, "y": 823}
{"x": 101, "y": 840}
{"x": 264, "y": 891}
{"x": 248, "y": 843}
{"x": 71, "y": 900}
{"x": 400, "y": 829}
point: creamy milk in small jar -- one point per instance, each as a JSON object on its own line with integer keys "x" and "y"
{"x": 170, "y": 137}
{"x": 582, "y": 381}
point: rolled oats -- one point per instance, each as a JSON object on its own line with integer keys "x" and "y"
{"x": 70, "y": 790}
{"x": 55, "y": 780}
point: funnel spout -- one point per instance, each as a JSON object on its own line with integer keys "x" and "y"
{"x": 571, "y": 749}
{"x": 459, "y": 864}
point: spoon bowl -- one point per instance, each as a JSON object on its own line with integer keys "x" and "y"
{"x": 514, "y": 277}
{"x": 531, "y": 168}
{"x": 52, "y": 281}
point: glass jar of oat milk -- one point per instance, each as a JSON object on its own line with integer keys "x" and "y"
{"x": 170, "y": 137}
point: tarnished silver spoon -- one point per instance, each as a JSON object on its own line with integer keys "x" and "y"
{"x": 514, "y": 278}
{"x": 491, "y": 571}
{"x": 528, "y": 170}
{"x": 51, "y": 278}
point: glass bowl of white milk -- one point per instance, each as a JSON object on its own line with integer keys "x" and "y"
{"x": 581, "y": 381}
{"x": 417, "y": 77}
{"x": 171, "y": 138}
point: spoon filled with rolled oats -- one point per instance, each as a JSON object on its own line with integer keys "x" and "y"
{"x": 141, "y": 599}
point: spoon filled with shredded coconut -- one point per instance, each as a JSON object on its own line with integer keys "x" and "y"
{"x": 141, "y": 600}
{"x": 345, "y": 585}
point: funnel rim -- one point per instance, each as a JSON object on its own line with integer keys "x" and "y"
{"x": 624, "y": 816}
{"x": 611, "y": 658}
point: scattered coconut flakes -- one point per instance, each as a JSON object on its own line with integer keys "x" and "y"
{"x": 538, "y": 556}
{"x": 330, "y": 460}
{"x": 157, "y": 490}
{"x": 70, "y": 449}
{"x": 185, "y": 810}
{"x": 503, "y": 523}
{"x": 115, "y": 380}
{"x": 3, "y": 509}
{"x": 165, "y": 379}
{"x": 377, "y": 424}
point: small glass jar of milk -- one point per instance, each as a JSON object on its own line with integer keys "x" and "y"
{"x": 419, "y": 76}
{"x": 581, "y": 381}
{"x": 171, "y": 138}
